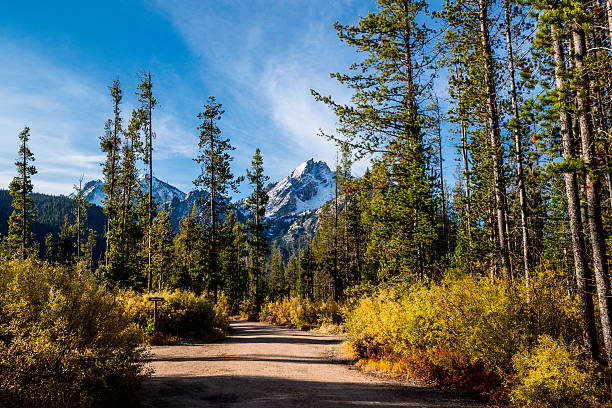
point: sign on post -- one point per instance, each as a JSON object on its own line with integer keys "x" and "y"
{"x": 155, "y": 299}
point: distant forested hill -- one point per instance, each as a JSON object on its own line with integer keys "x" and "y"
{"x": 50, "y": 218}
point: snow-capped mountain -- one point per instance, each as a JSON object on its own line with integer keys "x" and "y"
{"x": 93, "y": 192}
{"x": 292, "y": 210}
{"x": 307, "y": 188}
{"x": 162, "y": 191}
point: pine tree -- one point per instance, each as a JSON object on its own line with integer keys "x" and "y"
{"x": 518, "y": 148}
{"x": 110, "y": 144}
{"x": 191, "y": 261}
{"x": 385, "y": 117}
{"x": 215, "y": 178}
{"x": 235, "y": 276}
{"x": 581, "y": 82}
{"x": 161, "y": 248}
{"x": 65, "y": 250}
{"x": 148, "y": 102}
{"x": 88, "y": 251}
{"x": 49, "y": 248}
{"x": 306, "y": 287}
{"x": 20, "y": 236}
{"x": 257, "y": 225}
{"x": 80, "y": 217}
{"x": 277, "y": 283}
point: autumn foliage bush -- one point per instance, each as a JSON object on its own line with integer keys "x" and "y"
{"x": 302, "y": 313}
{"x": 182, "y": 315}
{"x": 468, "y": 333}
{"x": 65, "y": 341}
{"x": 555, "y": 374}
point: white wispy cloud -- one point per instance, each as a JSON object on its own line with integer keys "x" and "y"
{"x": 267, "y": 56}
{"x": 61, "y": 108}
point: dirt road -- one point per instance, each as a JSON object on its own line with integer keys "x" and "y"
{"x": 267, "y": 366}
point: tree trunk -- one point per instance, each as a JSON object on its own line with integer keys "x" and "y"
{"x": 593, "y": 191}
{"x": 442, "y": 192}
{"x": 581, "y": 266}
{"x": 517, "y": 146}
{"x": 494, "y": 133}
{"x": 24, "y": 209}
{"x": 149, "y": 277}
{"x": 466, "y": 179}
{"x": 213, "y": 218}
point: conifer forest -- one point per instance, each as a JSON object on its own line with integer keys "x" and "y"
{"x": 464, "y": 238}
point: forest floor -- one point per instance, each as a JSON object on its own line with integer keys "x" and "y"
{"x": 266, "y": 366}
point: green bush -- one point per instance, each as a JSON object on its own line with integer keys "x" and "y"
{"x": 302, "y": 313}
{"x": 182, "y": 314}
{"x": 64, "y": 340}
{"x": 555, "y": 375}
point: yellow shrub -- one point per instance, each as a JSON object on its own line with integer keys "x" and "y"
{"x": 181, "y": 314}
{"x": 462, "y": 327}
{"x": 302, "y": 313}
{"x": 554, "y": 375}
{"x": 64, "y": 339}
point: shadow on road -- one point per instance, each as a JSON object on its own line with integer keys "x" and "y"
{"x": 245, "y": 332}
{"x": 260, "y": 392}
{"x": 262, "y": 358}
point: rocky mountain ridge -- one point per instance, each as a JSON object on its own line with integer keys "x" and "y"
{"x": 292, "y": 210}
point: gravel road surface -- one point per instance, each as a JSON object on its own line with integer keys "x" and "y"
{"x": 263, "y": 366}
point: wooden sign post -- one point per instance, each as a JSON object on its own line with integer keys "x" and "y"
{"x": 155, "y": 299}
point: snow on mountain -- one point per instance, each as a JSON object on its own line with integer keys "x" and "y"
{"x": 307, "y": 188}
{"x": 162, "y": 191}
{"x": 92, "y": 191}
{"x": 292, "y": 210}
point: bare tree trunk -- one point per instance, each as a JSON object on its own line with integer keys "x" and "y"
{"x": 581, "y": 266}
{"x": 149, "y": 277}
{"x": 113, "y": 169}
{"x": 213, "y": 218}
{"x": 593, "y": 191}
{"x": 609, "y": 12}
{"x": 336, "y": 272}
{"x": 78, "y": 220}
{"x": 494, "y": 133}
{"x": 517, "y": 146}
{"x": 466, "y": 179}
{"x": 24, "y": 210}
{"x": 442, "y": 192}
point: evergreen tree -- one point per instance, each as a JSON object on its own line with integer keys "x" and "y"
{"x": 235, "y": 275}
{"x": 80, "y": 218}
{"x": 49, "y": 248}
{"x": 191, "y": 261}
{"x": 110, "y": 144}
{"x": 65, "y": 247}
{"x": 257, "y": 225}
{"x": 278, "y": 285}
{"x": 131, "y": 227}
{"x": 161, "y": 248}
{"x": 216, "y": 179}
{"x": 385, "y": 117}
{"x": 88, "y": 251}
{"x": 148, "y": 102}
{"x": 20, "y": 236}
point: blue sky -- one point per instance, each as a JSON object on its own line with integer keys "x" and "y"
{"x": 258, "y": 57}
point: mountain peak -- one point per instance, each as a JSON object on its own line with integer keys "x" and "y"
{"x": 311, "y": 167}
{"x": 162, "y": 191}
{"x": 303, "y": 168}
{"x": 308, "y": 187}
